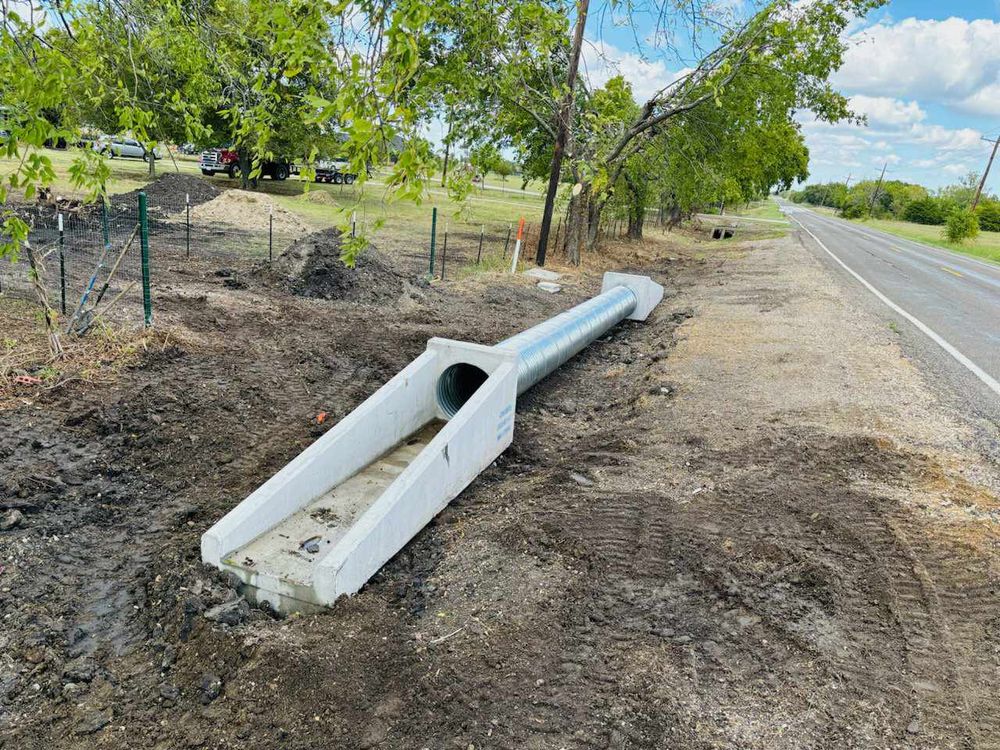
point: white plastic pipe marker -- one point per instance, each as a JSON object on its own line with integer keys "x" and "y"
{"x": 325, "y": 523}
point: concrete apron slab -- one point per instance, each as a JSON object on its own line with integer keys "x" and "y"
{"x": 281, "y": 562}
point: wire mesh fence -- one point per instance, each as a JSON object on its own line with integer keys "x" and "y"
{"x": 454, "y": 247}
{"x": 88, "y": 259}
{"x": 188, "y": 238}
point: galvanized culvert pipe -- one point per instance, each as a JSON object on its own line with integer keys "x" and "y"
{"x": 542, "y": 348}
{"x": 550, "y": 344}
{"x": 458, "y": 384}
{"x": 370, "y": 483}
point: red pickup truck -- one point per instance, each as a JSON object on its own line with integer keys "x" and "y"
{"x": 216, "y": 160}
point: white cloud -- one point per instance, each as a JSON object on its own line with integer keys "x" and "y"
{"x": 947, "y": 139}
{"x": 883, "y": 110}
{"x": 957, "y": 169}
{"x": 985, "y": 101}
{"x": 603, "y": 61}
{"x": 890, "y": 159}
{"x": 955, "y": 61}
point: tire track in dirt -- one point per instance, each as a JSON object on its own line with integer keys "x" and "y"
{"x": 903, "y": 577}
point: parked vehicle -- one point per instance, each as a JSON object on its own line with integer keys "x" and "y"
{"x": 227, "y": 161}
{"x": 120, "y": 146}
{"x": 188, "y": 149}
{"x": 335, "y": 172}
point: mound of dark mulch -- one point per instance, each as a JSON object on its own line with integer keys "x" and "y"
{"x": 165, "y": 195}
{"x": 313, "y": 267}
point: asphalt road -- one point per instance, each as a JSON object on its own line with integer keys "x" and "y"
{"x": 949, "y": 304}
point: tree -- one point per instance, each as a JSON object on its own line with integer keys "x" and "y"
{"x": 270, "y": 75}
{"x": 926, "y": 211}
{"x": 989, "y": 215}
{"x": 964, "y": 192}
{"x": 485, "y": 157}
{"x": 831, "y": 195}
{"x": 775, "y": 64}
{"x": 504, "y": 168}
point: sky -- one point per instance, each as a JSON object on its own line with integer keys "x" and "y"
{"x": 926, "y": 73}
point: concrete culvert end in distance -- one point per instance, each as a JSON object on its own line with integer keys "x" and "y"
{"x": 457, "y": 385}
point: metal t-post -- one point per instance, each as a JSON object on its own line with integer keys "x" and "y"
{"x": 444, "y": 251}
{"x": 434, "y": 223}
{"x": 147, "y": 299}
{"x": 62, "y": 266}
{"x": 187, "y": 210}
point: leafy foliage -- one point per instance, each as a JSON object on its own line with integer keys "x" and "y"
{"x": 961, "y": 225}
{"x": 832, "y": 195}
{"x": 926, "y": 211}
{"x": 988, "y": 213}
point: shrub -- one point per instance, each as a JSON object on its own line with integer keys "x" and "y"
{"x": 989, "y": 216}
{"x": 926, "y": 211}
{"x": 854, "y": 208}
{"x": 962, "y": 225}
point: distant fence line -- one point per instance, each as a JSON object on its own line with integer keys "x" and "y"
{"x": 92, "y": 251}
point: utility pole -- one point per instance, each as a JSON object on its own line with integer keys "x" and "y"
{"x": 871, "y": 206}
{"x": 564, "y": 121}
{"x": 982, "y": 182}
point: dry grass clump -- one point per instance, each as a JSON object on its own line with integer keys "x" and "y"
{"x": 28, "y": 369}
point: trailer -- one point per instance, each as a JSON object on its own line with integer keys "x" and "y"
{"x": 335, "y": 172}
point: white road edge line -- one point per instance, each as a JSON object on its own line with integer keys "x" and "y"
{"x": 971, "y": 366}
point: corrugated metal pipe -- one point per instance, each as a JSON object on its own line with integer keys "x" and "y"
{"x": 550, "y": 344}
{"x": 544, "y": 347}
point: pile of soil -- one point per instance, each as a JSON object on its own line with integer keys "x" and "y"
{"x": 244, "y": 209}
{"x": 322, "y": 197}
{"x": 314, "y": 269}
{"x": 166, "y": 194}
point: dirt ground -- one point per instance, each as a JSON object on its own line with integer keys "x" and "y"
{"x": 746, "y": 523}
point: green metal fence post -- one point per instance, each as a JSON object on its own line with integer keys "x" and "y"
{"x": 187, "y": 210}
{"x": 62, "y": 266}
{"x": 444, "y": 251}
{"x": 482, "y": 233}
{"x": 506, "y": 243}
{"x": 434, "y": 224}
{"x": 147, "y": 300}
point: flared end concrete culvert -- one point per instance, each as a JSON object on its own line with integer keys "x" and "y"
{"x": 457, "y": 385}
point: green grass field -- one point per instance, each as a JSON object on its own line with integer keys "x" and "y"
{"x": 766, "y": 209}
{"x": 985, "y": 246}
{"x": 325, "y": 205}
